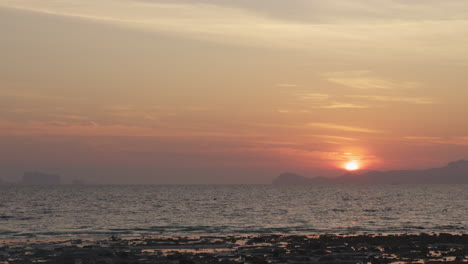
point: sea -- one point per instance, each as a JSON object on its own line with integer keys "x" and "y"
{"x": 135, "y": 211}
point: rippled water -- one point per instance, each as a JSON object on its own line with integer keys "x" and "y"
{"x": 46, "y": 212}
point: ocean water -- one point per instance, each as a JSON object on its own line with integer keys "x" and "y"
{"x": 92, "y": 212}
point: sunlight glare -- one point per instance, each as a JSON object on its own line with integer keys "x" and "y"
{"x": 352, "y": 165}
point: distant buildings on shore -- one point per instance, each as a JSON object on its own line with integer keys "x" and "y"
{"x": 6, "y": 182}
{"x": 40, "y": 178}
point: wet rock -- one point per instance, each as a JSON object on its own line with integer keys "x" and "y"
{"x": 447, "y": 248}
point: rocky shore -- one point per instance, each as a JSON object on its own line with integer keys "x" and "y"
{"x": 422, "y": 248}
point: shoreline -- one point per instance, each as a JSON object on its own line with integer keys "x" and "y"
{"x": 325, "y": 248}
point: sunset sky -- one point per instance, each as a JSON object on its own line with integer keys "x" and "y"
{"x": 230, "y": 91}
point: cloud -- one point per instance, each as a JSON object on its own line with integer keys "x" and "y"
{"x": 337, "y": 138}
{"x": 91, "y": 128}
{"x": 402, "y": 99}
{"x": 304, "y": 102}
{"x": 365, "y": 80}
{"x": 337, "y": 27}
{"x": 422, "y": 140}
{"x": 286, "y": 85}
{"x": 313, "y": 96}
{"x": 29, "y": 95}
{"x": 343, "y": 128}
{"x": 320, "y": 100}
{"x": 339, "y": 11}
{"x": 344, "y": 105}
{"x": 73, "y": 117}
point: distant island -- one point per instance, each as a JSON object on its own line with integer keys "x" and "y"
{"x": 454, "y": 173}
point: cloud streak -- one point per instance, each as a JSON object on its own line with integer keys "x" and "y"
{"x": 327, "y": 25}
{"x": 401, "y": 99}
{"x": 342, "y": 128}
{"x": 338, "y": 11}
{"x": 91, "y": 128}
{"x": 460, "y": 141}
{"x": 365, "y": 80}
{"x": 337, "y": 105}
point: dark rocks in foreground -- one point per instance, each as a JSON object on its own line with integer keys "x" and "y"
{"x": 423, "y": 248}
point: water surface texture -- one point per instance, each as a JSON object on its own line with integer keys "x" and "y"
{"x": 56, "y": 212}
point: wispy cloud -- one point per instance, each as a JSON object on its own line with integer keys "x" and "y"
{"x": 308, "y": 101}
{"x": 37, "y": 96}
{"x": 287, "y": 85}
{"x": 366, "y": 80}
{"x": 343, "y": 127}
{"x": 337, "y": 138}
{"x": 152, "y": 112}
{"x": 326, "y": 26}
{"x": 313, "y": 96}
{"x": 423, "y": 140}
{"x": 338, "y": 11}
{"x": 344, "y": 105}
{"x": 91, "y": 128}
{"x": 72, "y": 117}
{"x": 305, "y": 11}
{"x": 402, "y": 99}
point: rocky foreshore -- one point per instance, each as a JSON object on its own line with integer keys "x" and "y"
{"x": 422, "y": 248}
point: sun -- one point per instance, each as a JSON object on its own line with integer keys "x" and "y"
{"x": 352, "y": 165}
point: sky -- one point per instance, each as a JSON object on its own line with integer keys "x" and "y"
{"x": 230, "y": 91}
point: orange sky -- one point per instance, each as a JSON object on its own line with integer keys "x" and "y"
{"x": 230, "y": 91}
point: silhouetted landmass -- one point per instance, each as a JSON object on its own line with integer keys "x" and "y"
{"x": 454, "y": 173}
{"x": 40, "y": 178}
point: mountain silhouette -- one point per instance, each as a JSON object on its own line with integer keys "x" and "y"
{"x": 454, "y": 173}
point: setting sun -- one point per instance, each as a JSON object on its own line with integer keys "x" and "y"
{"x": 352, "y": 165}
